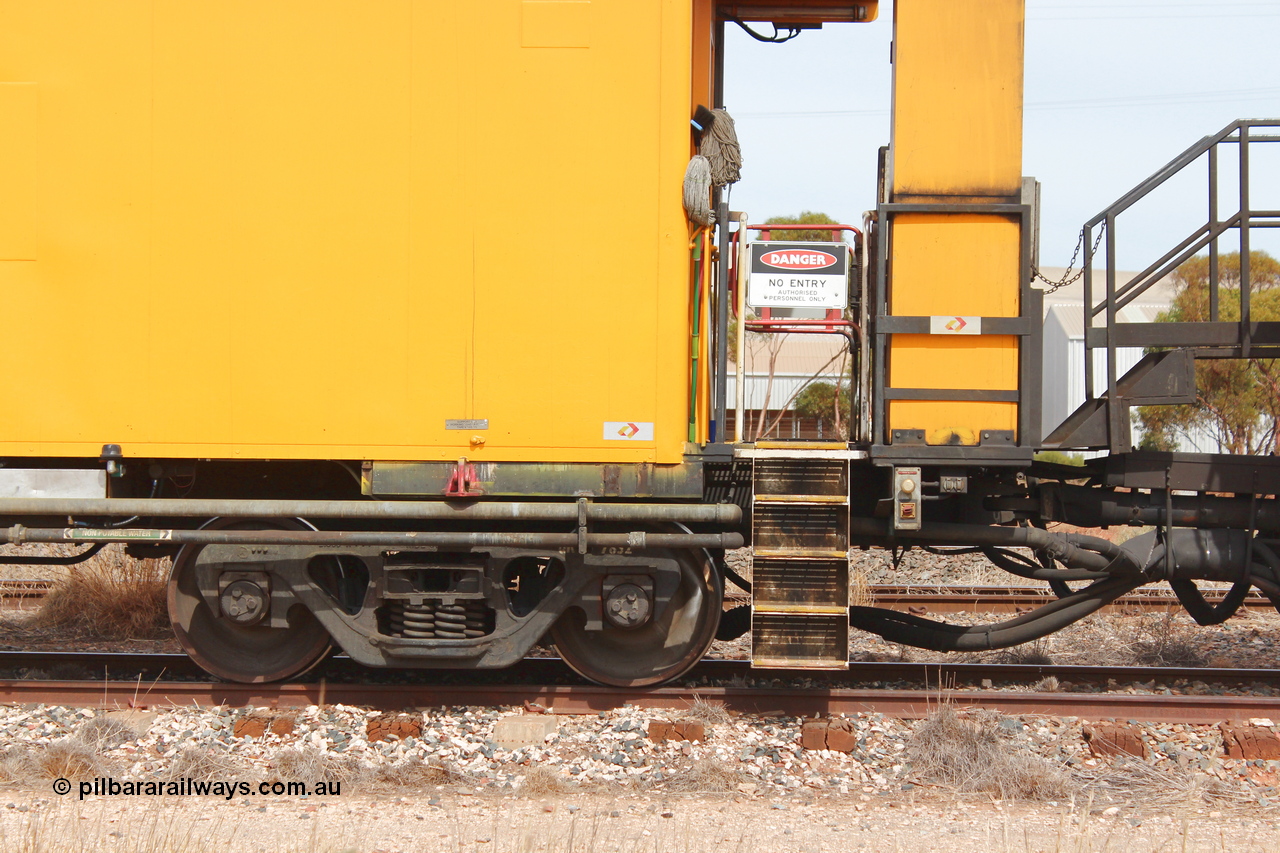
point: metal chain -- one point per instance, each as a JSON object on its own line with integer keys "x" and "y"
{"x": 1067, "y": 277}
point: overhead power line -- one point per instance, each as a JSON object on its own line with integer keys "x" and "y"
{"x": 1172, "y": 98}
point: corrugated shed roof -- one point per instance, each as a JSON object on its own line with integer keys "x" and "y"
{"x": 799, "y": 355}
{"x": 1071, "y": 317}
{"x": 1160, "y": 293}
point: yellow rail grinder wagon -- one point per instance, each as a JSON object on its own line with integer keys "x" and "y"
{"x": 416, "y": 329}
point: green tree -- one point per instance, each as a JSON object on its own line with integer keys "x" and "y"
{"x": 828, "y": 402}
{"x": 806, "y": 217}
{"x": 1237, "y": 400}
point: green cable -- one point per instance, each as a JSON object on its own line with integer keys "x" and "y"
{"x": 696, "y": 340}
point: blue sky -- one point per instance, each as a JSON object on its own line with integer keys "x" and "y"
{"x": 1113, "y": 91}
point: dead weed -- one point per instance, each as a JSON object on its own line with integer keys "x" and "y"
{"x": 1156, "y": 786}
{"x": 1035, "y": 653}
{"x": 541, "y": 780}
{"x": 967, "y": 754}
{"x": 1166, "y": 641}
{"x": 69, "y": 758}
{"x": 202, "y": 765}
{"x": 311, "y": 765}
{"x": 110, "y": 596}
{"x": 405, "y": 775}
{"x": 19, "y": 764}
{"x": 707, "y": 776}
{"x": 103, "y": 733}
{"x": 707, "y": 713}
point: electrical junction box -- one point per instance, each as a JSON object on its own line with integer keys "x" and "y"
{"x": 906, "y": 498}
{"x": 799, "y": 275}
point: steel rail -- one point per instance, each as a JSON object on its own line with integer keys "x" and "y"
{"x": 708, "y": 671}
{"x": 22, "y": 588}
{"x": 578, "y": 699}
{"x": 936, "y": 599}
{"x": 371, "y": 509}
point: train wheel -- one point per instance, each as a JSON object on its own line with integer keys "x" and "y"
{"x": 248, "y": 654}
{"x": 657, "y": 651}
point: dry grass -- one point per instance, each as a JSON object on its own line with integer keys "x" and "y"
{"x": 707, "y": 776}
{"x": 541, "y": 780}
{"x": 41, "y": 549}
{"x": 103, "y": 733}
{"x": 311, "y": 765}
{"x": 159, "y": 827}
{"x": 202, "y": 765}
{"x": 1164, "y": 786}
{"x": 19, "y": 764}
{"x": 1108, "y": 639}
{"x": 405, "y": 775}
{"x": 1166, "y": 641}
{"x": 860, "y": 588}
{"x": 69, "y": 758}
{"x": 77, "y": 756}
{"x": 707, "y": 713}
{"x": 111, "y": 596}
{"x": 1031, "y": 654}
{"x": 966, "y": 753}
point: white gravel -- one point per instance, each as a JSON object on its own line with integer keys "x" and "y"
{"x": 753, "y": 756}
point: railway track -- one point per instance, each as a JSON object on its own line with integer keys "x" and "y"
{"x": 917, "y": 599}
{"x": 24, "y": 588}
{"x": 906, "y": 690}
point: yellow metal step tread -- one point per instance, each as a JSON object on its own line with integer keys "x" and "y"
{"x": 800, "y": 663}
{"x": 800, "y": 553}
{"x": 804, "y": 609}
{"x": 801, "y": 499}
{"x": 802, "y": 445}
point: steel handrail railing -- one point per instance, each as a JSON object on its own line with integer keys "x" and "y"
{"x": 1205, "y": 236}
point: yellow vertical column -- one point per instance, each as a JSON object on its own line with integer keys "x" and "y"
{"x": 957, "y": 139}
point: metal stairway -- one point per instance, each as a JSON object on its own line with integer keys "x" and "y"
{"x": 1159, "y": 379}
{"x": 1226, "y": 329}
{"x": 800, "y": 569}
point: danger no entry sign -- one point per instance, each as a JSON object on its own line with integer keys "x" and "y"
{"x": 799, "y": 275}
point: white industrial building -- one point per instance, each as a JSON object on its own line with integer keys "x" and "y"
{"x": 1063, "y": 350}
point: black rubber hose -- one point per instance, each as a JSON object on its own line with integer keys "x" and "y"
{"x": 913, "y": 630}
{"x": 1267, "y": 553}
{"x": 1015, "y": 564}
{"x": 734, "y": 622}
{"x": 1204, "y": 613}
{"x": 33, "y": 560}
{"x": 738, "y": 580}
{"x": 1270, "y": 589}
{"x": 1073, "y": 550}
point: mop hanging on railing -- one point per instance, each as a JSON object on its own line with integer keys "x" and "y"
{"x": 719, "y": 164}
{"x": 720, "y": 147}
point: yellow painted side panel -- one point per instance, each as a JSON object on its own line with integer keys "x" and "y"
{"x": 955, "y": 264}
{"x": 957, "y": 135}
{"x": 18, "y": 110}
{"x": 949, "y": 259}
{"x": 957, "y": 97}
{"x": 301, "y": 229}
